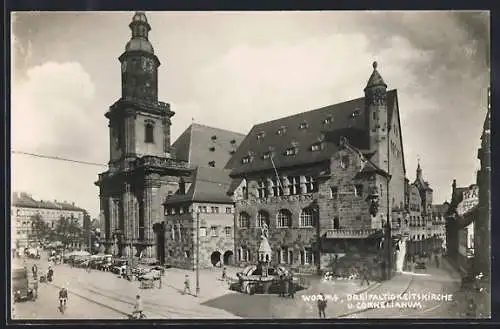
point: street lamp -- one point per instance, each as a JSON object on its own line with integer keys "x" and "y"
{"x": 197, "y": 253}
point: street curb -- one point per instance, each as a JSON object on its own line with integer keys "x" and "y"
{"x": 92, "y": 300}
{"x": 371, "y": 308}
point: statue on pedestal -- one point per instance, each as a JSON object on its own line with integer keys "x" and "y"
{"x": 264, "y": 248}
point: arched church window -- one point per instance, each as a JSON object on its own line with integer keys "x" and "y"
{"x": 149, "y": 133}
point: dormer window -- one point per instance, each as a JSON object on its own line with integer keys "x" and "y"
{"x": 245, "y": 160}
{"x": 328, "y": 120}
{"x": 260, "y": 135}
{"x": 303, "y": 125}
{"x": 266, "y": 155}
{"x": 212, "y": 149}
{"x": 233, "y": 141}
{"x": 211, "y": 164}
{"x": 316, "y": 147}
{"x": 355, "y": 114}
{"x": 281, "y": 131}
{"x": 213, "y": 138}
{"x": 232, "y": 152}
{"x": 291, "y": 151}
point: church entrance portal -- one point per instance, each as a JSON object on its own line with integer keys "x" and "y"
{"x": 228, "y": 258}
{"x": 215, "y": 258}
{"x": 159, "y": 229}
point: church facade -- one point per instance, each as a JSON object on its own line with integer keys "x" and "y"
{"x": 141, "y": 169}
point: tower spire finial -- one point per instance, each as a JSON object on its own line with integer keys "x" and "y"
{"x": 375, "y": 64}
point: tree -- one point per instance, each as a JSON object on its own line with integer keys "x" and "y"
{"x": 68, "y": 230}
{"x": 40, "y": 229}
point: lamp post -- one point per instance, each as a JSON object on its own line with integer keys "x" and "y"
{"x": 197, "y": 253}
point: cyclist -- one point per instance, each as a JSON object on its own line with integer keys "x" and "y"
{"x": 137, "y": 313}
{"x": 63, "y": 297}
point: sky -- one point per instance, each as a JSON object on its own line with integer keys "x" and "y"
{"x": 257, "y": 65}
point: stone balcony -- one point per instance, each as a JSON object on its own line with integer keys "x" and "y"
{"x": 345, "y": 233}
{"x": 148, "y": 105}
{"x": 159, "y": 162}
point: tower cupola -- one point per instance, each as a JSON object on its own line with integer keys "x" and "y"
{"x": 140, "y": 30}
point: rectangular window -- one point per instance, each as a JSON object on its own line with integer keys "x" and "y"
{"x": 243, "y": 254}
{"x": 215, "y": 210}
{"x": 309, "y": 259}
{"x": 358, "y": 190}
{"x": 213, "y": 231}
{"x": 277, "y": 189}
{"x": 311, "y": 184}
{"x": 203, "y": 231}
{"x": 244, "y": 191}
{"x": 334, "y": 191}
{"x": 290, "y": 151}
{"x": 262, "y": 190}
{"x": 358, "y": 217}
{"x": 284, "y": 256}
{"x": 315, "y": 147}
{"x": 229, "y": 210}
{"x": 228, "y": 230}
{"x": 294, "y": 185}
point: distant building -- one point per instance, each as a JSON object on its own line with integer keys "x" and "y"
{"x": 462, "y": 215}
{"x": 24, "y": 208}
{"x": 206, "y": 201}
{"x": 426, "y": 221}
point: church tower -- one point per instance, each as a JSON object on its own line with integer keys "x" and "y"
{"x": 141, "y": 170}
{"x": 377, "y": 114}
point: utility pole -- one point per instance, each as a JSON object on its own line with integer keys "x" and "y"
{"x": 197, "y": 253}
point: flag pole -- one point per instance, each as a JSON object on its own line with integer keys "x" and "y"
{"x": 276, "y": 172}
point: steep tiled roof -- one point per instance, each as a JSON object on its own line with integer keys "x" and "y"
{"x": 201, "y": 145}
{"x": 210, "y": 185}
{"x": 26, "y": 201}
{"x": 327, "y": 124}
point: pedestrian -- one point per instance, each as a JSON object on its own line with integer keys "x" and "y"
{"x": 364, "y": 275}
{"x": 286, "y": 286}
{"x": 321, "y": 305}
{"x": 281, "y": 286}
{"x": 34, "y": 269}
{"x": 224, "y": 274}
{"x": 187, "y": 287}
{"x": 291, "y": 291}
